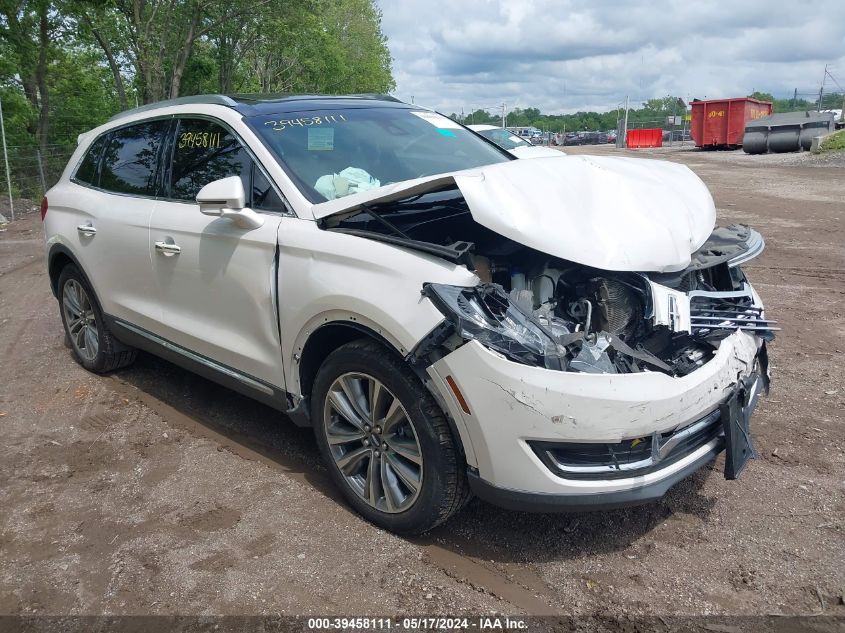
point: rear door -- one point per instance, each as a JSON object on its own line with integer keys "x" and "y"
{"x": 214, "y": 279}
{"x": 119, "y": 178}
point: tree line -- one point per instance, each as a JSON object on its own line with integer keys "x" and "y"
{"x": 650, "y": 113}
{"x": 68, "y": 65}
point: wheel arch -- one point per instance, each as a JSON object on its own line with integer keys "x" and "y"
{"x": 321, "y": 341}
{"x": 318, "y": 343}
{"x": 59, "y": 257}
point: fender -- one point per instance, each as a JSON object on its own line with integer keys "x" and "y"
{"x": 346, "y": 318}
{"x": 358, "y": 324}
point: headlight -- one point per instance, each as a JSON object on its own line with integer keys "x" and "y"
{"x": 485, "y": 314}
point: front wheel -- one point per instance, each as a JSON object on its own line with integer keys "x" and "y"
{"x": 387, "y": 443}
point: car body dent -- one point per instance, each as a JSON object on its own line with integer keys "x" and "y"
{"x": 327, "y": 277}
{"x": 511, "y": 403}
{"x": 617, "y": 214}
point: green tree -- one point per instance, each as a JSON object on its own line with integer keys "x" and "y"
{"x": 27, "y": 30}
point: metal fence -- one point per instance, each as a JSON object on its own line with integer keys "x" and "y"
{"x": 28, "y": 173}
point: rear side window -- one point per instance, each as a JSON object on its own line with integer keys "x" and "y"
{"x": 203, "y": 152}
{"x": 131, "y": 159}
{"x": 88, "y": 171}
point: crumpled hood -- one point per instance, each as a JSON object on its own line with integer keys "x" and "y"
{"x": 625, "y": 214}
{"x": 536, "y": 151}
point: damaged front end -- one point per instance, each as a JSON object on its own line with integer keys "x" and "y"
{"x": 607, "y": 351}
{"x": 550, "y": 311}
{"x": 569, "y": 317}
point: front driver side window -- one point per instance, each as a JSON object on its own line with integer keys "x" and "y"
{"x": 203, "y": 152}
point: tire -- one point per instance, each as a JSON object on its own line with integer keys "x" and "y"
{"x": 409, "y": 414}
{"x": 91, "y": 342}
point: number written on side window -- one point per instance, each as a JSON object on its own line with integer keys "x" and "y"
{"x": 204, "y": 152}
{"x": 131, "y": 158}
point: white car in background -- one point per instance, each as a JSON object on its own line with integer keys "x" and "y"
{"x": 563, "y": 333}
{"x": 512, "y": 143}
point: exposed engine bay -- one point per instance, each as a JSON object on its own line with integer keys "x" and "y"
{"x": 553, "y": 313}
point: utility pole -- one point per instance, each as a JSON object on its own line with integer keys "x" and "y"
{"x": 794, "y": 98}
{"x": 625, "y": 125}
{"x": 6, "y": 160}
{"x": 821, "y": 90}
{"x": 503, "y": 115}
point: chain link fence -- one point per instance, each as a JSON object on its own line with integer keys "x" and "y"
{"x": 32, "y": 170}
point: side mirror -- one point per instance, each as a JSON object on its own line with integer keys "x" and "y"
{"x": 226, "y": 198}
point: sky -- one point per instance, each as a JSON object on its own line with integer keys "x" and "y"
{"x": 562, "y": 56}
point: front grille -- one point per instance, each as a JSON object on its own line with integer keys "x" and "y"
{"x": 592, "y": 460}
{"x": 712, "y": 312}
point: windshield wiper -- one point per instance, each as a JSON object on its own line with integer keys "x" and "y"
{"x": 382, "y": 220}
{"x": 457, "y": 252}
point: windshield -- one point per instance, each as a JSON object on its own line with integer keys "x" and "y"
{"x": 334, "y": 153}
{"x": 505, "y": 139}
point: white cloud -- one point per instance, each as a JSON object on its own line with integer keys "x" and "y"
{"x": 564, "y": 56}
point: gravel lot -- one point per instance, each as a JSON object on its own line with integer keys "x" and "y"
{"x": 155, "y": 491}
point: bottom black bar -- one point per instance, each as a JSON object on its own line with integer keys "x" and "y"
{"x": 493, "y": 622}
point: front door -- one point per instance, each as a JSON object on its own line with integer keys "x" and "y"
{"x": 216, "y": 280}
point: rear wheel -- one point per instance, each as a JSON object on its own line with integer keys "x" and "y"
{"x": 92, "y": 343}
{"x": 385, "y": 440}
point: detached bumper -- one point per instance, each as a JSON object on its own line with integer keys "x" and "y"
{"x": 514, "y": 408}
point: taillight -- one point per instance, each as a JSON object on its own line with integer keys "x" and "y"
{"x": 43, "y": 208}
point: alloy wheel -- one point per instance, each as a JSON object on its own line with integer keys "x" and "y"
{"x": 373, "y": 442}
{"x": 81, "y": 320}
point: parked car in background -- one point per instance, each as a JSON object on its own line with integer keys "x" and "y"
{"x": 552, "y": 334}
{"x": 514, "y": 144}
{"x": 586, "y": 138}
{"x": 572, "y": 138}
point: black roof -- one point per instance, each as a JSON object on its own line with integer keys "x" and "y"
{"x": 257, "y": 104}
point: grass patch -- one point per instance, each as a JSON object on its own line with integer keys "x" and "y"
{"x": 834, "y": 143}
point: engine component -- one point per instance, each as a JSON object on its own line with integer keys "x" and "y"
{"x": 582, "y": 310}
{"x": 482, "y": 269}
{"x": 617, "y": 304}
{"x": 544, "y": 286}
{"x": 522, "y": 298}
{"x": 593, "y": 357}
{"x": 690, "y": 359}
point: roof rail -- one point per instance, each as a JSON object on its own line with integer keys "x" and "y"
{"x": 206, "y": 99}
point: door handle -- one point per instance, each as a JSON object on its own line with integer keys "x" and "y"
{"x": 86, "y": 229}
{"x": 168, "y": 249}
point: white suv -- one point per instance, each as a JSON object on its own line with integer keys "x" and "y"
{"x": 553, "y": 334}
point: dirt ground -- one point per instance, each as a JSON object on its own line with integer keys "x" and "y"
{"x": 153, "y": 491}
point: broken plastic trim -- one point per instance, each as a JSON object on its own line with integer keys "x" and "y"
{"x": 629, "y": 458}
{"x": 735, "y": 244}
{"x": 485, "y": 314}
